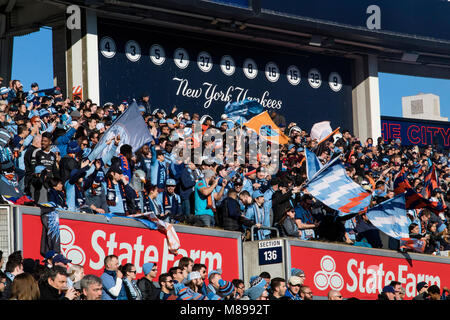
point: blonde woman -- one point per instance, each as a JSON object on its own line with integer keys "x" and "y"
{"x": 24, "y": 287}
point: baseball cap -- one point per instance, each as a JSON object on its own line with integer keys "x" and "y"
{"x": 420, "y": 285}
{"x": 193, "y": 275}
{"x": 171, "y": 182}
{"x": 257, "y": 194}
{"x": 294, "y": 280}
{"x": 116, "y": 169}
{"x": 388, "y": 289}
{"x": 60, "y": 258}
{"x": 49, "y": 254}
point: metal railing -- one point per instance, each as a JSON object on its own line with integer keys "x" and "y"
{"x": 252, "y": 229}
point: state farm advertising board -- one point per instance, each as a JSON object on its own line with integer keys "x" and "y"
{"x": 361, "y": 275}
{"x": 88, "y": 243}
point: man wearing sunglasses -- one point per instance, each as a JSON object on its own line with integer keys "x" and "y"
{"x": 166, "y": 282}
{"x": 422, "y": 291}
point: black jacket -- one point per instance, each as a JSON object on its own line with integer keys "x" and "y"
{"x": 148, "y": 289}
{"x": 50, "y": 293}
{"x": 280, "y": 202}
{"x": 66, "y": 166}
{"x": 231, "y": 216}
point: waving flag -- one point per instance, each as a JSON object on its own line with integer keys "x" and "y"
{"x": 390, "y": 217}
{"x": 332, "y": 186}
{"x": 23, "y": 200}
{"x": 263, "y": 125}
{"x": 412, "y": 244}
{"x": 430, "y": 182}
{"x": 242, "y": 111}
{"x": 415, "y": 200}
{"x": 132, "y": 130}
{"x": 50, "y": 237}
{"x": 153, "y": 223}
{"x": 401, "y": 183}
{"x": 322, "y": 132}
{"x": 313, "y": 165}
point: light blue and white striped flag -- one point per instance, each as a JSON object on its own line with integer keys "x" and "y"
{"x": 390, "y": 217}
{"x": 313, "y": 164}
{"x": 333, "y": 187}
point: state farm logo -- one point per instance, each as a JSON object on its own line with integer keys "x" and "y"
{"x": 328, "y": 277}
{"x": 71, "y": 251}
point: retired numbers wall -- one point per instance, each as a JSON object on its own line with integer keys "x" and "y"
{"x": 202, "y": 73}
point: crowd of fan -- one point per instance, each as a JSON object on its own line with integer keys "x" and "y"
{"x": 55, "y": 278}
{"x": 45, "y": 140}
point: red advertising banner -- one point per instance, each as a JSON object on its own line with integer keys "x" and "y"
{"x": 88, "y": 243}
{"x": 363, "y": 276}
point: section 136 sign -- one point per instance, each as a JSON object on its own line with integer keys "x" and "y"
{"x": 202, "y": 73}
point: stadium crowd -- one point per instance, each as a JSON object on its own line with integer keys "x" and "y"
{"x": 45, "y": 140}
{"x": 55, "y": 278}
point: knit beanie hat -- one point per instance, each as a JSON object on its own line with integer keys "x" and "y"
{"x": 185, "y": 293}
{"x": 225, "y": 288}
{"x": 258, "y": 285}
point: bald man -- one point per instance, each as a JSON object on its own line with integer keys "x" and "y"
{"x": 334, "y": 295}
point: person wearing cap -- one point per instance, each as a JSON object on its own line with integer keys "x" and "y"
{"x": 259, "y": 214}
{"x": 215, "y": 282}
{"x": 293, "y": 288}
{"x": 249, "y": 182}
{"x": 60, "y": 260}
{"x": 70, "y": 161}
{"x": 194, "y": 281}
{"x": 158, "y": 168}
{"x": 121, "y": 198}
{"x": 170, "y": 201}
{"x": 257, "y": 290}
{"x": 95, "y": 189}
{"x": 4, "y": 93}
{"x": 388, "y": 293}
{"x": 144, "y": 102}
{"x": 75, "y": 194}
{"x": 48, "y": 257}
{"x": 149, "y": 287}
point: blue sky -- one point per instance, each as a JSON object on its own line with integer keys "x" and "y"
{"x": 32, "y": 61}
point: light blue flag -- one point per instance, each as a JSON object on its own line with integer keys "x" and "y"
{"x": 242, "y": 111}
{"x": 390, "y": 217}
{"x": 132, "y": 129}
{"x": 333, "y": 187}
{"x": 313, "y": 164}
